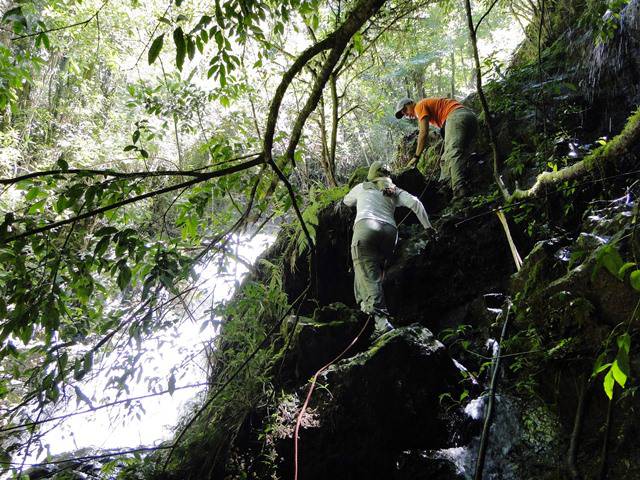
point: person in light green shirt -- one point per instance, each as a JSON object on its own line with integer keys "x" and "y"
{"x": 374, "y": 237}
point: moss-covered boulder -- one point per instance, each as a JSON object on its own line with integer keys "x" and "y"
{"x": 371, "y": 407}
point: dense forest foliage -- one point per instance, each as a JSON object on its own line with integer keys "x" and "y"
{"x": 140, "y": 141}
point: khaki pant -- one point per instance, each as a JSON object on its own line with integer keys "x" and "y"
{"x": 459, "y": 134}
{"x": 372, "y": 244}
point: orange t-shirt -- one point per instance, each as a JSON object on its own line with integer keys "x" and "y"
{"x": 438, "y": 109}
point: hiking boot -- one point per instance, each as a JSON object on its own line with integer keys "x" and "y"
{"x": 381, "y": 326}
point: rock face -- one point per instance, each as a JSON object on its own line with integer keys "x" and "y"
{"x": 375, "y": 405}
{"x": 472, "y": 252}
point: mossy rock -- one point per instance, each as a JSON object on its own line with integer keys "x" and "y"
{"x": 321, "y": 339}
{"x": 359, "y": 175}
{"x": 371, "y": 407}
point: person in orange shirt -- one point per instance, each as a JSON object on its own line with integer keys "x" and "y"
{"x": 458, "y": 125}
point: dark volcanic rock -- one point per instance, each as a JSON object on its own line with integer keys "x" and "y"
{"x": 374, "y": 406}
{"x": 431, "y": 279}
{"x": 323, "y": 338}
{"x": 471, "y": 257}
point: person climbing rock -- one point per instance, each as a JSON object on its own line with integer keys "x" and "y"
{"x": 374, "y": 237}
{"x": 458, "y": 126}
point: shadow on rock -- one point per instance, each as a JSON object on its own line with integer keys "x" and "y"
{"x": 371, "y": 407}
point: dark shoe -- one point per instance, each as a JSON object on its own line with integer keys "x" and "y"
{"x": 380, "y": 327}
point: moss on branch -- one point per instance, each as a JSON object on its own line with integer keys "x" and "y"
{"x": 621, "y": 144}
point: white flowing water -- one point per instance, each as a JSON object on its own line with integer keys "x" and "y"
{"x": 150, "y": 421}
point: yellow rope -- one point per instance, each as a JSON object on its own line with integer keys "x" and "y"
{"x": 514, "y": 251}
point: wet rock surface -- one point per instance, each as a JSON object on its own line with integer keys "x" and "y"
{"x": 376, "y": 404}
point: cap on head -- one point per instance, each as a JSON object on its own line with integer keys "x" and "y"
{"x": 403, "y": 102}
{"x": 377, "y": 170}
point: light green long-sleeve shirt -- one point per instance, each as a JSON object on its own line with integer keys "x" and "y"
{"x": 372, "y": 203}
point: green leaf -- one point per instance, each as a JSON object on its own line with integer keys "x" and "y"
{"x": 45, "y": 40}
{"x": 144, "y": 153}
{"x": 624, "y": 343}
{"x": 63, "y": 360}
{"x": 181, "y": 47}
{"x": 38, "y": 206}
{"x": 624, "y": 269}
{"x": 191, "y": 48}
{"x": 608, "y": 384}
{"x": 464, "y": 395}
{"x": 128, "y": 148}
{"x": 124, "y": 276}
{"x": 599, "y": 365}
{"x": 62, "y": 164}
{"x": 26, "y": 333}
{"x": 219, "y": 39}
{"x": 78, "y": 372}
{"x": 105, "y": 231}
{"x": 620, "y": 372}
{"x": 15, "y": 15}
{"x": 136, "y": 136}
{"x": 610, "y": 258}
{"x": 634, "y": 278}
{"x": 155, "y": 48}
{"x": 51, "y": 318}
{"x": 101, "y": 246}
{"x": 179, "y": 2}
{"x": 53, "y": 393}
{"x": 33, "y": 194}
{"x": 219, "y": 15}
{"x": 87, "y": 362}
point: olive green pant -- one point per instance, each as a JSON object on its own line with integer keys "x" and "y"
{"x": 372, "y": 244}
{"x": 460, "y": 132}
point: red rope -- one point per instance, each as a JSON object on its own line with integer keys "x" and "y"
{"x": 313, "y": 385}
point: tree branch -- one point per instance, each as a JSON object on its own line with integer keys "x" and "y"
{"x": 475, "y": 29}
{"x": 66, "y": 27}
{"x": 294, "y": 202}
{"x": 92, "y": 213}
{"x": 197, "y": 173}
{"x": 483, "y": 99}
{"x": 99, "y": 407}
{"x": 92, "y": 457}
{"x": 364, "y": 10}
{"x": 618, "y": 146}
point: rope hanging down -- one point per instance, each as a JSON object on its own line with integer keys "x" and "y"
{"x": 484, "y": 438}
{"x": 311, "y": 388}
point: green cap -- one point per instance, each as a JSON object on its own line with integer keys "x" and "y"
{"x": 377, "y": 170}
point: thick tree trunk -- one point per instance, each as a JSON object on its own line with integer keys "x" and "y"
{"x": 336, "y": 43}
{"x": 335, "y": 104}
